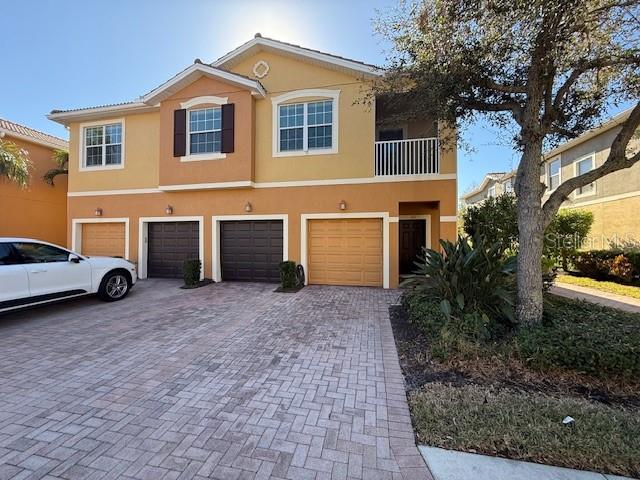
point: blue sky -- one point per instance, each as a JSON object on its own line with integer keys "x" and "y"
{"x": 68, "y": 54}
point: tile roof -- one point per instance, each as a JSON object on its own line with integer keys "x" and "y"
{"x": 29, "y": 133}
{"x": 106, "y": 105}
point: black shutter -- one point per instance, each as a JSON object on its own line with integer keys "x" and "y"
{"x": 228, "y": 116}
{"x": 179, "y": 133}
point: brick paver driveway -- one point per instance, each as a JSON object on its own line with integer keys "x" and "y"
{"x": 227, "y": 381}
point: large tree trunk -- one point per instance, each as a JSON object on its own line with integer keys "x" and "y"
{"x": 530, "y": 235}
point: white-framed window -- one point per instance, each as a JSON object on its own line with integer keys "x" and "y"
{"x": 582, "y": 166}
{"x": 492, "y": 191}
{"x": 205, "y": 131}
{"x": 305, "y": 127}
{"x": 102, "y": 145}
{"x": 554, "y": 176}
{"x": 507, "y": 187}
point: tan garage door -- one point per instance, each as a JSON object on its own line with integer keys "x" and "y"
{"x": 103, "y": 239}
{"x": 345, "y": 252}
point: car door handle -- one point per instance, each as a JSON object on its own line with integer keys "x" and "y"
{"x": 38, "y": 271}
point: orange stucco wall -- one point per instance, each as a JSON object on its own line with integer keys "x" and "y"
{"x": 38, "y": 211}
{"x": 293, "y": 201}
{"x": 237, "y": 166}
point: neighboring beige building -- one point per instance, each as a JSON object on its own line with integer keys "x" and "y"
{"x": 492, "y": 185}
{"x": 613, "y": 199}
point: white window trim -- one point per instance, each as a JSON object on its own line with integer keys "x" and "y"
{"x": 507, "y": 187}
{"x": 82, "y": 167}
{"x": 304, "y": 247}
{"x": 591, "y": 155}
{"x": 216, "y": 266}
{"x": 491, "y": 191}
{"x": 555, "y": 159}
{"x": 199, "y": 103}
{"x": 326, "y": 94}
{"x": 143, "y": 239}
{"x": 76, "y": 231}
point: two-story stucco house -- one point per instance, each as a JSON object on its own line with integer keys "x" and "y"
{"x": 614, "y": 199}
{"x": 39, "y": 210}
{"x": 269, "y": 153}
{"x": 492, "y": 185}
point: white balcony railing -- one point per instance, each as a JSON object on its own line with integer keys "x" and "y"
{"x": 416, "y": 156}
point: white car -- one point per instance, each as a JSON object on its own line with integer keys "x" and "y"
{"x": 34, "y": 272}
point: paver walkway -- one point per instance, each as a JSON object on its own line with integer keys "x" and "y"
{"x": 227, "y": 381}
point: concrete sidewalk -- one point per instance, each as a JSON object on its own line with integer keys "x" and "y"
{"x": 452, "y": 465}
{"x": 596, "y": 296}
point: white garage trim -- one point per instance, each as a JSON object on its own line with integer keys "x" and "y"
{"x": 304, "y": 247}
{"x": 76, "y": 231}
{"x": 216, "y": 269}
{"x": 427, "y": 220}
{"x": 143, "y": 240}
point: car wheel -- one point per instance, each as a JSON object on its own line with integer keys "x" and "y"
{"x": 114, "y": 286}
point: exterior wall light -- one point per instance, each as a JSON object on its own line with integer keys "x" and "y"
{"x": 168, "y": 210}
{"x": 248, "y": 207}
{"x": 343, "y": 205}
{"x": 98, "y": 212}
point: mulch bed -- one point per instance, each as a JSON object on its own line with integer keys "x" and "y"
{"x": 420, "y": 369}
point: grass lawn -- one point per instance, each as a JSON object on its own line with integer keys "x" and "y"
{"x": 528, "y": 426}
{"x": 508, "y": 397}
{"x": 603, "y": 286}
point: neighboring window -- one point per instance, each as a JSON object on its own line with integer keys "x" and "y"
{"x": 7, "y": 255}
{"x": 492, "y": 191}
{"x": 205, "y": 130}
{"x": 103, "y": 145}
{"x": 583, "y": 166}
{"x": 40, "y": 253}
{"x": 507, "y": 187}
{"x": 554, "y": 174}
{"x": 306, "y": 126}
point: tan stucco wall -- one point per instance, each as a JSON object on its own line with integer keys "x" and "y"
{"x": 615, "y": 223}
{"x": 141, "y": 147}
{"x": 38, "y": 211}
{"x": 294, "y": 201}
{"x": 236, "y": 166}
{"x": 356, "y": 122}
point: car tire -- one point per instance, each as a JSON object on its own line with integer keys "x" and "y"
{"x": 114, "y": 286}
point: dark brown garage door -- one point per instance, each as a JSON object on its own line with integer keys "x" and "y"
{"x": 170, "y": 244}
{"x": 251, "y": 250}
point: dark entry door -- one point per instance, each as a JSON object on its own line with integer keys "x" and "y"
{"x": 170, "y": 244}
{"x": 412, "y": 239}
{"x": 250, "y": 250}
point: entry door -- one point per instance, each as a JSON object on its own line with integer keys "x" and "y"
{"x": 412, "y": 239}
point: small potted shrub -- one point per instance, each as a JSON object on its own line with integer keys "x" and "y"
{"x": 191, "y": 272}
{"x": 289, "y": 278}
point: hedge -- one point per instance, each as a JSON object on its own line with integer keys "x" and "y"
{"x": 614, "y": 264}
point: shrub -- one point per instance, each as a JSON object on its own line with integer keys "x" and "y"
{"x": 468, "y": 279}
{"x": 614, "y": 264}
{"x": 191, "y": 272}
{"x": 585, "y": 337}
{"x": 288, "y": 274}
{"x": 495, "y": 219}
{"x": 566, "y": 234}
{"x": 621, "y": 267}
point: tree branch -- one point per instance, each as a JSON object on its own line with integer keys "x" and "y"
{"x": 617, "y": 160}
{"x": 500, "y": 87}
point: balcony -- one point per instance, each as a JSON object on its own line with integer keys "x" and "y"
{"x": 415, "y": 156}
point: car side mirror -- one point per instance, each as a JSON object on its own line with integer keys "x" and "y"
{"x": 73, "y": 258}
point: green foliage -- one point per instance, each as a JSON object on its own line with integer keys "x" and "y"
{"x": 495, "y": 219}
{"x": 191, "y": 272}
{"x": 566, "y": 234}
{"x": 617, "y": 265}
{"x": 468, "y": 280}
{"x": 14, "y": 163}
{"x": 61, "y": 159}
{"x": 288, "y": 278}
{"x": 585, "y": 337}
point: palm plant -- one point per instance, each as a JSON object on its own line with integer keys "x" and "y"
{"x": 14, "y": 163}
{"x": 61, "y": 159}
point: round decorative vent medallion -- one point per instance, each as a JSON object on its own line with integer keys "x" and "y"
{"x": 260, "y": 69}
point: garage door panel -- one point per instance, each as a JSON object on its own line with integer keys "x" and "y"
{"x": 169, "y": 245}
{"x": 103, "y": 239}
{"x": 251, "y": 250}
{"x": 345, "y": 252}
